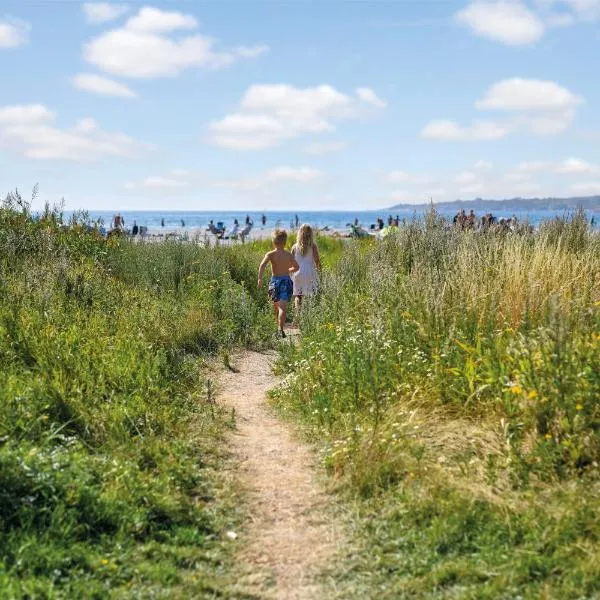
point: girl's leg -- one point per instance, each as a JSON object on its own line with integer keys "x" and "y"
{"x": 297, "y": 305}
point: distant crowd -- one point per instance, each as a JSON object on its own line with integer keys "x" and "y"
{"x": 462, "y": 220}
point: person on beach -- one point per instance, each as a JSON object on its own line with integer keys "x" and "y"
{"x": 306, "y": 278}
{"x": 118, "y": 222}
{"x": 283, "y": 264}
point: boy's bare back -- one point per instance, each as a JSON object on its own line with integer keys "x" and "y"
{"x": 282, "y": 262}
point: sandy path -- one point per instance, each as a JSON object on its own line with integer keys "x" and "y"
{"x": 289, "y": 537}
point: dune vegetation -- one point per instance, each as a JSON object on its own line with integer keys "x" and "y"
{"x": 109, "y": 437}
{"x": 448, "y": 379}
{"x": 451, "y": 380}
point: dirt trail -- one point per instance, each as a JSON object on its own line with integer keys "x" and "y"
{"x": 289, "y": 537}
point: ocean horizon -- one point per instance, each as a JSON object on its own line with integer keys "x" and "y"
{"x": 168, "y": 220}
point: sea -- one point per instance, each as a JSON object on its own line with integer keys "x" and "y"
{"x": 166, "y": 220}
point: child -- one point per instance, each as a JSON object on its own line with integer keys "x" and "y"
{"x": 306, "y": 253}
{"x": 280, "y": 286}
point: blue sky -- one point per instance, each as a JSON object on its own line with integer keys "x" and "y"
{"x": 298, "y": 105}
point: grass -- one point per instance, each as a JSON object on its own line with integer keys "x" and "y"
{"x": 110, "y": 449}
{"x": 451, "y": 380}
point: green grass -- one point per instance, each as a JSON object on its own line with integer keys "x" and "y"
{"x": 451, "y": 380}
{"x": 110, "y": 448}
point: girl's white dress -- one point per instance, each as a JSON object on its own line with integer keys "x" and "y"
{"x": 306, "y": 281}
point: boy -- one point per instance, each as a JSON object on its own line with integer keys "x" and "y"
{"x": 280, "y": 286}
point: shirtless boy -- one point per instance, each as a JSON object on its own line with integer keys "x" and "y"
{"x": 281, "y": 286}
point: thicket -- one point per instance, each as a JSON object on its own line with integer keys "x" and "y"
{"x": 452, "y": 379}
{"x": 108, "y": 434}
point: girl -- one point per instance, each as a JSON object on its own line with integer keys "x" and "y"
{"x": 306, "y": 253}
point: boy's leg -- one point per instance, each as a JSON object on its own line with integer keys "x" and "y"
{"x": 282, "y": 313}
{"x": 276, "y": 311}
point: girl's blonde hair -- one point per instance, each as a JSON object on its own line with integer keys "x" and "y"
{"x": 304, "y": 239}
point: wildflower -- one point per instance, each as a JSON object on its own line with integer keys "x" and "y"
{"x": 578, "y": 407}
{"x": 104, "y": 561}
{"x": 548, "y": 436}
{"x": 532, "y": 395}
{"x": 516, "y": 389}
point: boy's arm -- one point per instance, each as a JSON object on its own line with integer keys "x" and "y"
{"x": 261, "y": 268}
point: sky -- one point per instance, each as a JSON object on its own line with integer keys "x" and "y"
{"x": 298, "y": 105}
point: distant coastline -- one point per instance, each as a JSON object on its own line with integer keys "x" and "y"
{"x": 514, "y": 204}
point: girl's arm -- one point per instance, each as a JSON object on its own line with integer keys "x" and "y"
{"x": 316, "y": 257}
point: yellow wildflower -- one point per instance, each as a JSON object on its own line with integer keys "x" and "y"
{"x": 516, "y": 389}
{"x": 104, "y": 561}
{"x": 548, "y": 436}
{"x": 578, "y": 407}
{"x": 532, "y": 395}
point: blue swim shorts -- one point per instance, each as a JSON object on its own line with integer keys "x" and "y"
{"x": 281, "y": 288}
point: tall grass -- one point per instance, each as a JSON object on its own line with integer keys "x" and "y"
{"x": 461, "y": 369}
{"x": 108, "y": 439}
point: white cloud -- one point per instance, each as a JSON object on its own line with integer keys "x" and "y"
{"x": 400, "y": 196}
{"x": 395, "y": 177}
{"x": 576, "y": 166}
{"x": 471, "y": 190}
{"x": 275, "y": 176}
{"x": 535, "y": 106}
{"x": 319, "y": 148}
{"x": 534, "y": 166}
{"x": 154, "y": 20}
{"x": 180, "y": 173}
{"x": 145, "y": 48}
{"x": 446, "y": 130}
{"x": 370, "y": 97}
{"x": 517, "y": 176}
{"x": 97, "y": 84}
{"x": 483, "y": 165}
{"x": 506, "y": 21}
{"x": 528, "y": 95}
{"x": 102, "y": 12}
{"x": 13, "y": 33}
{"x": 466, "y": 177}
{"x": 560, "y": 20}
{"x": 29, "y": 130}
{"x": 268, "y": 115}
{"x": 177, "y": 180}
{"x": 587, "y": 187}
{"x": 251, "y": 51}
{"x": 157, "y": 182}
{"x": 579, "y": 10}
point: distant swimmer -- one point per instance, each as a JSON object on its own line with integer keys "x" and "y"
{"x": 182, "y": 223}
{"x": 162, "y": 222}
{"x": 263, "y": 220}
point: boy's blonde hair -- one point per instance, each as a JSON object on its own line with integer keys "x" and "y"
{"x": 279, "y": 237}
{"x": 304, "y": 239}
